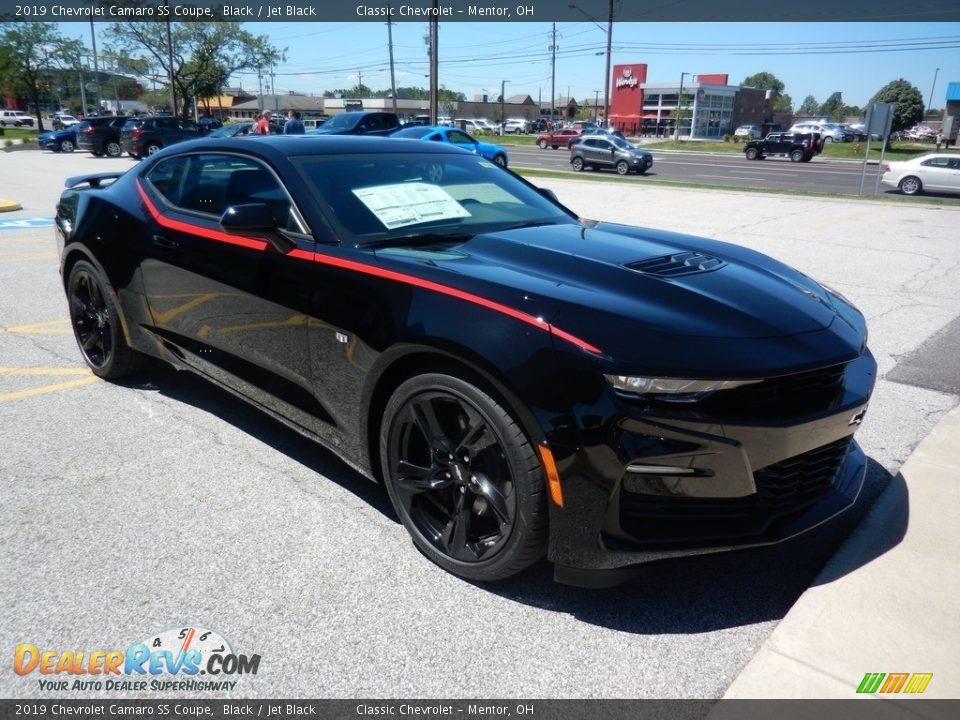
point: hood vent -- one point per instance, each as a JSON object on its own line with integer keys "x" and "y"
{"x": 682, "y": 263}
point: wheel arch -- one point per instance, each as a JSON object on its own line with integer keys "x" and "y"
{"x": 401, "y": 363}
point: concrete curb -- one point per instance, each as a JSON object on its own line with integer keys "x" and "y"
{"x": 887, "y": 601}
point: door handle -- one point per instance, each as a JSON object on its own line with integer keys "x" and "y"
{"x": 164, "y": 242}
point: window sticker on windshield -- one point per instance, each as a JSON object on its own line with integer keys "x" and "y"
{"x": 410, "y": 204}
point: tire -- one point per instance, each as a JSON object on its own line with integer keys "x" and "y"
{"x": 135, "y": 157}
{"x": 463, "y": 478}
{"x": 623, "y": 168}
{"x": 500, "y": 160}
{"x": 542, "y": 144}
{"x": 66, "y": 146}
{"x": 97, "y": 326}
{"x": 577, "y": 164}
{"x": 96, "y": 153}
{"x": 796, "y": 155}
{"x": 911, "y": 185}
{"x": 555, "y": 147}
{"x": 113, "y": 149}
{"x": 152, "y": 149}
{"x": 828, "y": 139}
{"x": 752, "y": 154}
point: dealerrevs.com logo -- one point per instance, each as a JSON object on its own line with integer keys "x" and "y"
{"x": 187, "y": 658}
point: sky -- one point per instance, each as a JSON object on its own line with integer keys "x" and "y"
{"x": 817, "y": 59}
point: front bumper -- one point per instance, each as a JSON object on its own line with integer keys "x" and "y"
{"x": 748, "y": 482}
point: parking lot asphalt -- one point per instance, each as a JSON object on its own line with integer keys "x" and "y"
{"x": 131, "y": 509}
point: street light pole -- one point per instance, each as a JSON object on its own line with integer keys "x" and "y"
{"x": 676, "y": 129}
{"x": 503, "y": 90}
{"x": 930, "y": 102}
{"x": 96, "y": 69}
{"x": 596, "y": 110}
{"x": 606, "y": 77}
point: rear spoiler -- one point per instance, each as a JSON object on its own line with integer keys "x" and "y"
{"x": 93, "y": 179}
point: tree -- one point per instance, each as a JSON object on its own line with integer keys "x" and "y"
{"x": 31, "y": 54}
{"x": 809, "y": 106}
{"x": 765, "y": 81}
{"x": 205, "y": 54}
{"x": 832, "y": 107}
{"x": 779, "y": 101}
{"x": 783, "y": 104}
{"x": 907, "y": 103}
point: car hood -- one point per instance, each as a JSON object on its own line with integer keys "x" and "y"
{"x": 616, "y": 286}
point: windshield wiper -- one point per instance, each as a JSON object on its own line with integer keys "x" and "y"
{"x": 418, "y": 239}
{"x": 528, "y": 224}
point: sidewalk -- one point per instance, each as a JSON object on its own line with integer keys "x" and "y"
{"x": 887, "y": 602}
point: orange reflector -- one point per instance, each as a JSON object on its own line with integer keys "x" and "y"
{"x": 553, "y": 477}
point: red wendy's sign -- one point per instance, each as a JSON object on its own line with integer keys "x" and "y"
{"x": 626, "y": 95}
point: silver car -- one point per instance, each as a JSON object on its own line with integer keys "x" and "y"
{"x": 937, "y": 172}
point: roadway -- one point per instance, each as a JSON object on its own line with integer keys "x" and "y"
{"x": 733, "y": 171}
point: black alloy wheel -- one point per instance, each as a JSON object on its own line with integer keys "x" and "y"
{"x": 463, "y": 478}
{"x": 500, "y": 160}
{"x": 96, "y": 324}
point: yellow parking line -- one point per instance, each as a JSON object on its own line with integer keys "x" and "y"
{"x": 43, "y": 389}
{"x": 50, "y": 327}
{"x": 53, "y": 372}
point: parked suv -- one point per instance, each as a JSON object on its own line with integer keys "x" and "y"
{"x": 17, "y": 118}
{"x": 146, "y": 135}
{"x": 360, "y": 122}
{"x": 101, "y": 135}
{"x": 799, "y": 147}
{"x": 748, "y": 131}
{"x": 609, "y": 152}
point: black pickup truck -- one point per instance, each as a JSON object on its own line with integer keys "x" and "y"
{"x": 799, "y": 147}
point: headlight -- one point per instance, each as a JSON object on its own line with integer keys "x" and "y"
{"x": 672, "y": 389}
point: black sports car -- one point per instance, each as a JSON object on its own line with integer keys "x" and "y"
{"x": 523, "y": 381}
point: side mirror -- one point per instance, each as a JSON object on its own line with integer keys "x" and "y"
{"x": 255, "y": 219}
{"x": 549, "y": 194}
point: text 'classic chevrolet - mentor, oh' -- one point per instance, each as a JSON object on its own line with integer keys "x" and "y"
{"x": 524, "y": 382}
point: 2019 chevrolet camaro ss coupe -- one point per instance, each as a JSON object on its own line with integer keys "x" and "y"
{"x": 523, "y": 381}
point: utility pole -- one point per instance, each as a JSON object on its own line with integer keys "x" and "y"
{"x": 173, "y": 92}
{"x": 393, "y": 79}
{"x": 434, "y": 64}
{"x": 83, "y": 94}
{"x": 596, "y": 110}
{"x": 606, "y": 78}
{"x": 96, "y": 70}
{"x": 553, "y": 72}
{"x": 933, "y": 87}
{"x": 273, "y": 86}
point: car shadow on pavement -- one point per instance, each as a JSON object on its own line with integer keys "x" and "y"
{"x": 710, "y": 592}
{"x": 192, "y": 390}
{"x": 681, "y": 596}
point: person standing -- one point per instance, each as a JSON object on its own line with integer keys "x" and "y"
{"x": 263, "y": 125}
{"x": 293, "y": 126}
{"x": 939, "y": 140}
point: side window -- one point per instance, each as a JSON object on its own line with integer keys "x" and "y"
{"x": 940, "y": 162}
{"x": 210, "y": 183}
{"x": 460, "y": 138}
{"x": 168, "y": 177}
{"x": 436, "y": 137}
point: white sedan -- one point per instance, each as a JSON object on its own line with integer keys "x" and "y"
{"x": 936, "y": 172}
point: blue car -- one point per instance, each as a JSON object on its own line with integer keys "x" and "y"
{"x": 59, "y": 140}
{"x": 456, "y": 137}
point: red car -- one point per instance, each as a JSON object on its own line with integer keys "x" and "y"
{"x": 556, "y": 138}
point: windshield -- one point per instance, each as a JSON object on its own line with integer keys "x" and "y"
{"x": 373, "y": 198}
{"x": 621, "y": 143}
{"x": 341, "y": 122}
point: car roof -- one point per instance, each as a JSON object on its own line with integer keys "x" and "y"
{"x": 279, "y": 146}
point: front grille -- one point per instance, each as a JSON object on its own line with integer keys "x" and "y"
{"x": 683, "y": 263}
{"x": 784, "y": 488}
{"x": 801, "y": 480}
